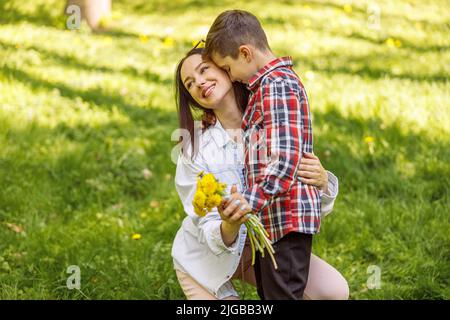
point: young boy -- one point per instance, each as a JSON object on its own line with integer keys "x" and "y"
{"x": 277, "y": 130}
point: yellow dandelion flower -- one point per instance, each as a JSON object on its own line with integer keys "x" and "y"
{"x": 168, "y": 42}
{"x": 369, "y": 139}
{"x": 143, "y": 38}
{"x": 213, "y": 201}
{"x": 397, "y": 43}
{"x": 216, "y": 200}
{"x": 209, "y": 187}
{"x": 347, "y": 8}
{"x": 221, "y": 187}
{"x": 199, "y": 199}
{"x": 154, "y": 204}
{"x": 209, "y": 184}
{"x": 209, "y": 177}
{"x": 199, "y": 211}
{"x": 390, "y": 42}
{"x": 136, "y": 236}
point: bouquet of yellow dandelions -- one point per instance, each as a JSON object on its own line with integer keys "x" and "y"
{"x": 209, "y": 195}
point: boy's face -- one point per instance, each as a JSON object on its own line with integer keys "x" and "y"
{"x": 239, "y": 70}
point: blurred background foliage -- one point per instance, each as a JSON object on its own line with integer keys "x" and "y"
{"x": 86, "y": 119}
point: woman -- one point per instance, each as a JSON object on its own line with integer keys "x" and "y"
{"x": 206, "y": 256}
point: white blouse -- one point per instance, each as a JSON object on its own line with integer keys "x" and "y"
{"x": 198, "y": 248}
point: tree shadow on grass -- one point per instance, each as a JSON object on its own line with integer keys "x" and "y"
{"x": 406, "y": 44}
{"x": 366, "y": 66}
{"x": 361, "y": 11}
{"x": 75, "y": 62}
{"x": 365, "y": 169}
{"x": 93, "y": 96}
{"x": 41, "y": 15}
{"x": 112, "y": 155}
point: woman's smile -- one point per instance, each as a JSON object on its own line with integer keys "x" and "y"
{"x": 207, "y": 91}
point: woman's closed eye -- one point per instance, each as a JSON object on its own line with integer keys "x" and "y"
{"x": 203, "y": 69}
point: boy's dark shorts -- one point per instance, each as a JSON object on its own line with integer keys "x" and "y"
{"x": 288, "y": 282}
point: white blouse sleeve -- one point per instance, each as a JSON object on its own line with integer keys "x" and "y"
{"x": 329, "y": 198}
{"x": 209, "y": 225}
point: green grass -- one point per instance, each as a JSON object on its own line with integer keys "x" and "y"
{"x": 83, "y": 114}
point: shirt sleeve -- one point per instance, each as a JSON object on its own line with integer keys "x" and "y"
{"x": 329, "y": 197}
{"x": 208, "y": 226}
{"x": 282, "y": 107}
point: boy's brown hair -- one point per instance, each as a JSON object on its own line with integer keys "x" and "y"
{"x": 234, "y": 28}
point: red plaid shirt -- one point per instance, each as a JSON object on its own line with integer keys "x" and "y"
{"x": 277, "y": 130}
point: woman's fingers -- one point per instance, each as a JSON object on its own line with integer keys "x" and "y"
{"x": 229, "y": 199}
{"x": 305, "y": 167}
{"x": 309, "y": 174}
{"x": 231, "y": 207}
{"x": 310, "y": 155}
{"x": 313, "y": 162}
{"x": 243, "y": 219}
{"x": 239, "y": 213}
{"x": 312, "y": 182}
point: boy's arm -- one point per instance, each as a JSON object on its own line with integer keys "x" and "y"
{"x": 284, "y": 111}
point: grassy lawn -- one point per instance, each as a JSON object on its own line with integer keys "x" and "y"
{"x": 85, "y": 142}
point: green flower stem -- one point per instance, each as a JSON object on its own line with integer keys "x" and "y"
{"x": 259, "y": 238}
{"x": 250, "y": 236}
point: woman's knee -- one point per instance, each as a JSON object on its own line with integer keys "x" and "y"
{"x": 338, "y": 289}
{"x": 325, "y": 282}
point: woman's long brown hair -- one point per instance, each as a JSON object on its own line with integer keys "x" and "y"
{"x": 186, "y": 105}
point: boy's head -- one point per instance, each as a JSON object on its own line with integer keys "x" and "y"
{"x": 233, "y": 41}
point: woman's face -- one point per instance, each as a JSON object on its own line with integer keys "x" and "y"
{"x": 206, "y": 82}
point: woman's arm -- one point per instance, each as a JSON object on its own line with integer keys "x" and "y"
{"x": 210, "y": 226}
{"x": 312, "y": 172}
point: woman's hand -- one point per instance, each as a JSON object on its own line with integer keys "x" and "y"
{"x": 311, "y": 172}
{"x": 234, "y": 208}
{"x": 233, "y": 212}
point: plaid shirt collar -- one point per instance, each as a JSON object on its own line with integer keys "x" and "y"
{"x": 277, "y": 63}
